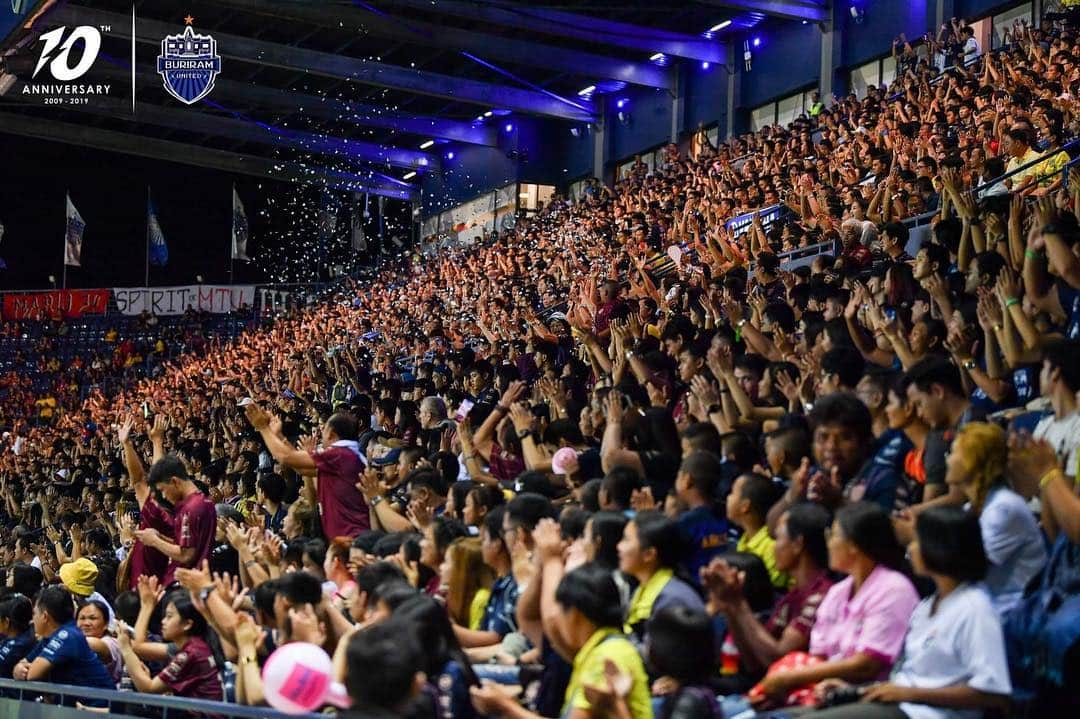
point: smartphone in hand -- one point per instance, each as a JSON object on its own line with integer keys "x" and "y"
{"x": 463, "y": 410}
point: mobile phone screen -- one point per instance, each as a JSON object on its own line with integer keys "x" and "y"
{"x": 463, "y": 410}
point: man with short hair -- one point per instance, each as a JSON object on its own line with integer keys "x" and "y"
{"x": 194, "y": 517}
{"x": 751, "y": 497}
{"x": 330, "y": 473}
{"x": 383, "y": 670}
{"x": 937, "y": 391}
{"x": 704, "y": 533}
{"x": 1060, "y": 381}
{"x": 894, "y": 239}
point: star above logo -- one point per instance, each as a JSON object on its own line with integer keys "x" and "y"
{"x": 189, "y": 20}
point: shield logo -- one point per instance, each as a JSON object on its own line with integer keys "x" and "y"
{"x": 188, "y": 65}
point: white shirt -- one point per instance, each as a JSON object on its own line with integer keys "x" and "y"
{"x": 960, "y": 643}
{"x": 1064, "y": 435}
{"x": 1014, "y": 546}
{"x": 971, "y": 48}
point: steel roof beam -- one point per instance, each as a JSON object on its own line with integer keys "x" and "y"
{"x": 579, "y": 27}
{"x": 274, "y": 100}
{"x": 169, "y": 151}
{"x": 194, "y": 121}
{"x": 329, "y": 65}
{"x": 487, "y": 45}
{"x": 808, "y": 10}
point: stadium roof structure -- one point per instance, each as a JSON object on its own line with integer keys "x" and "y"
{"x": 356, "y": 94}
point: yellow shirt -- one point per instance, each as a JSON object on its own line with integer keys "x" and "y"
{"x": 641, "y": 604}
{"x": 477, "y": 607}
{"x": 607, "y": 643}
{"x": 761, "y": 544}
{"x": 1030, "y": 156}
{"x": 1047, "y": 170}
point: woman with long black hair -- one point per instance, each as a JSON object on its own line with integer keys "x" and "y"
{"x": 448, "y": 670}
{"x": 651, "y": 551}
{"x": 954, "y": 652}
{"x": 16, "y": 612}
{"x": 193, "y": 664}
{"x": 860, "y": 625}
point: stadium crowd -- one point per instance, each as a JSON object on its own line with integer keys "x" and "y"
{"x": 559, "y": 472}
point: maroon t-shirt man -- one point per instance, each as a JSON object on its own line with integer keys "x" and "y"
{"x": 194, "y": 525}
{"x": 342, "y": 508}
{"x": 146, "y": 560}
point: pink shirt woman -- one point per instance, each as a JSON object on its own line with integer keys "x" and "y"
{"x": 871, "y": 621}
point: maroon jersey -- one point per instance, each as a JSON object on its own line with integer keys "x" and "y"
{"x": 194, "y": 525}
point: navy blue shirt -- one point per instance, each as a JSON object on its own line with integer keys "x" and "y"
{"x": 705, "y": 535}
{"x": 73, "y": 661}
{"x": 881, "y": 479}
{"x": 1070, "y": 303}
{"x": 12, "y": 651}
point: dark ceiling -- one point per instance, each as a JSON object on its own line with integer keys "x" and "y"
{"x": 410, "y": 35}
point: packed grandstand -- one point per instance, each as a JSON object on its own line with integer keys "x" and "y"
{"x": 652, "y": 451}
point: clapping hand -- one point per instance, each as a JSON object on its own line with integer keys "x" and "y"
{"x": 150, "y": 590}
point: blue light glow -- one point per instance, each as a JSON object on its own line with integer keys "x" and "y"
{"x": 509, "y": 127}
{"x": 757, "y": 42}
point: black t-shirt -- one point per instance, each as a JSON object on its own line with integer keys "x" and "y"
{"x": 224, "y": 558}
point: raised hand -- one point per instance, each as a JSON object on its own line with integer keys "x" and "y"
{"x": 257, "y": 416}
{"x": 1029, "y": 461}
{"x": 157, "y": 431}
{"x": 123, "y": 434}
{"x": 548, "y": 540}
{"x": 150, "y": 590}
{"x": 513, "y": 393}
{"x": 521, "y": 417}
{"x": 371, "y": 485}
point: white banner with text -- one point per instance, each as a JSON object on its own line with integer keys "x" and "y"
{"x": 218, "y": 299}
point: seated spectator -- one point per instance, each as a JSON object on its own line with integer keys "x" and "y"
{"x": 449, "y": 673}
{"x": 859, "y": 627}
{"x": 383, "y": 674}
{"x": 747, "y": 506}
{"x": 16, "y": 612}
{"x": 651, "y": 551}
{"x": 93, "y": 619}
{"x": 801, "y": 552}
{"x": 1011, "y": 537}
{"x": 589, "y": 635}
{"x": 191, "y": 664}
{"x": 62, "y": 654}
{"x": 467, "y": 580}
{"x": 954, "y": 652}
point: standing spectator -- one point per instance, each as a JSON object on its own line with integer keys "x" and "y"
{"x": 330, "y": 473}
{"x": 194, "y": 518}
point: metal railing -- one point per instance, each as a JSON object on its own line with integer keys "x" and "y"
{"x": 26, "y": 695}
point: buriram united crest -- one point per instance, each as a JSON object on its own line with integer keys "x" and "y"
{"x": 188, "y": 65}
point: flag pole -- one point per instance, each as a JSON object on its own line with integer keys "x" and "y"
{"x": 63, "y": 251}
{"x": 146, "y": 276}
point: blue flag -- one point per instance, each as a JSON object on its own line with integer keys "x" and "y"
{"x": 159, "y": 251}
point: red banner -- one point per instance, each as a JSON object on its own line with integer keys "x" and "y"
{"x": 69, "y": 303}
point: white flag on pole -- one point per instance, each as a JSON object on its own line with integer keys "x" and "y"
{"x": 239, "y": 229}
{"x": 73, "y": 237}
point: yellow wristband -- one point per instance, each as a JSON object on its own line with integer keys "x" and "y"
{"x": 1050, "y": 477}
